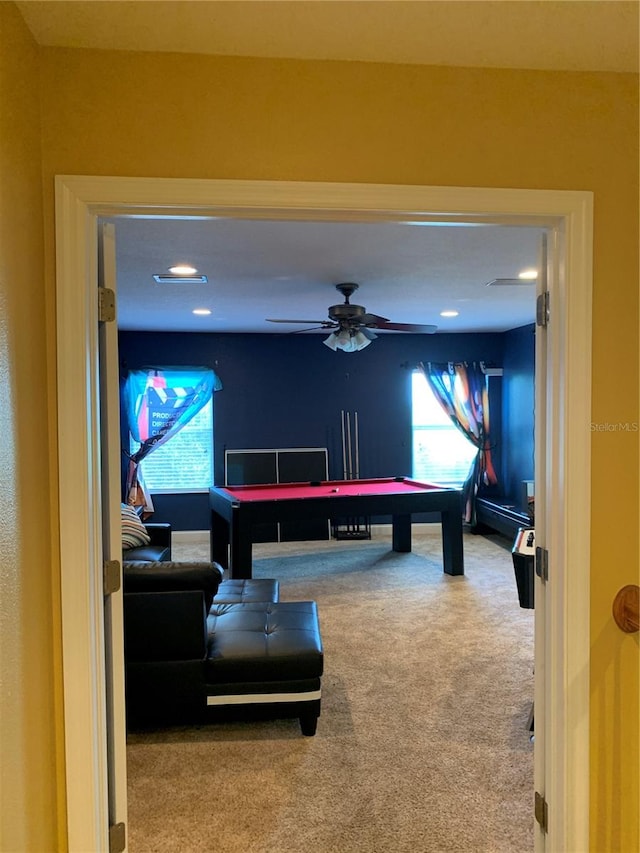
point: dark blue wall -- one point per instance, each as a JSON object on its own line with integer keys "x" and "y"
{"x": 518, "y": 394}
{"x": 288, "y": 390}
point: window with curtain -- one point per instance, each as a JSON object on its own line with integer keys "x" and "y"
{"x": 160, "y": 404}
{"x": 441, "y": 453}
{"x": 184, "y": 464}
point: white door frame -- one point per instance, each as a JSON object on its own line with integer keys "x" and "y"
{"x": 568, "y": 215}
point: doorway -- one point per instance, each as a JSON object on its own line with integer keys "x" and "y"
{"x": 562, "y": 418}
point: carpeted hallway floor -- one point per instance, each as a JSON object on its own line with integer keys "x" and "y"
{"x": 422, "y": 745}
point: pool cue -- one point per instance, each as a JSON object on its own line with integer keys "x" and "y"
{"x": 357, "y": 444}
{"x": 344, "y": 446}
{"x": 350, "y": 454}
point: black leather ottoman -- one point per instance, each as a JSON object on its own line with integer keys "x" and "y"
{"x": 152, "y": 575}
{"x": 267, "y": 655}
{"x": 243, "y": 590}
{"x": 197, "y": 647}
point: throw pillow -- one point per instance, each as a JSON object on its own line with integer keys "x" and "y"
{"x": 134, "y": 533}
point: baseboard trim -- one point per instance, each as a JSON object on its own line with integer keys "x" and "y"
{"x": 190, "y": 537}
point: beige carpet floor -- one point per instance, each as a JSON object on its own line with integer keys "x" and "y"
{"x": 422, "y": 745}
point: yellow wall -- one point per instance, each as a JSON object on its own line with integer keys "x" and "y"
{"x": 108, "y": 113}
{"x": 31, "y": 789}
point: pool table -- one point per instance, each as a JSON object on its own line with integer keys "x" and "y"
{"x": 235, "y": 509}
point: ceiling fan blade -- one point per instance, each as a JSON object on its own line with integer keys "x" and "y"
{"x": 372, "y": 319}
{"x": 408, "y": 327}
{"x": 323, "y": 326}
{"x": 316, "y": 322}
{"x": 354, "y": 318}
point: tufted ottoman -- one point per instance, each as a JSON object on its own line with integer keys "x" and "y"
{"x": 266, "y": 655}
{"x": 243, "y": 590}
{"x": 198, "y": 647}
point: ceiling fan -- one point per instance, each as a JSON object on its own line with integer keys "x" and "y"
{"x": 353, "y": 326}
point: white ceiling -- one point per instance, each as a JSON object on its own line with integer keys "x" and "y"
{"x": 263, "y": 269}
{"x": 407, "y": 273}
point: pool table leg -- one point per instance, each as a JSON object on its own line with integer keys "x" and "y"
{"x": 452, "y": 549}
{"x": 219, "y": 540}
{"x": 401, "y": 532}
{"x": 241, "y": 548}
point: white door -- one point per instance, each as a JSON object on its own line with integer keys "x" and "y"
{"x": 111, "y": 537}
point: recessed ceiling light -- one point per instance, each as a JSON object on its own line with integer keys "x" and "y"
{"x": 449, "y": 313}
{"x": 183, "y": 269}
{"x": 528, "y": 275}
{"x": 201, "y": 312}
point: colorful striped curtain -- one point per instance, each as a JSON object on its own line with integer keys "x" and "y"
{"x": 158, "y": 402}
{"x": 461, "y": 389}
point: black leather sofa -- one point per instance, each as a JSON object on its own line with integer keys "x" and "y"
{"x": 158, "y": 550}
{"x": 199, "y": 648}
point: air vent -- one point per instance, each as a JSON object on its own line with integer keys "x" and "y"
{"x": 180, "y": 279}
{"x": 508, "y": 282}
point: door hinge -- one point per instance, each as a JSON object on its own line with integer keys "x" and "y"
{"x": 117, "y": 838}
{"x": 542, "y": 309}
{"x": 542, "y": 564}
{"x": 110, "y": 576}
{"x": 106, "y": 305}
{"x": 542, "y": 812}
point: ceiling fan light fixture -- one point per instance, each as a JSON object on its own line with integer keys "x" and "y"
{"x": 348, "y": 340}
{"x": 360, "y": 340}
{"x": 331, "y": 341}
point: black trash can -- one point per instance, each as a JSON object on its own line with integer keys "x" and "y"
{"x": 524, "y": 554}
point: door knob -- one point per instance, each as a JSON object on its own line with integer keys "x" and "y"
{"x": 625, "y": 609}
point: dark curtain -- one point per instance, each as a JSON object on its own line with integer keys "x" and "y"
{"x": 158, "y": 402}
{"x": 461, "y": 390}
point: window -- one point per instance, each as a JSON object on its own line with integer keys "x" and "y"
{"x": 185, "y": 462}
{"x": 441, "y": 453}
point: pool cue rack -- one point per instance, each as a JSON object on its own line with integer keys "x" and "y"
{"x": 360, "y": 527}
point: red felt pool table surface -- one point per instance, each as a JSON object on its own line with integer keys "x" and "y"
{"x": 235, "y": 510}
{"x": 328, "y": 488}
